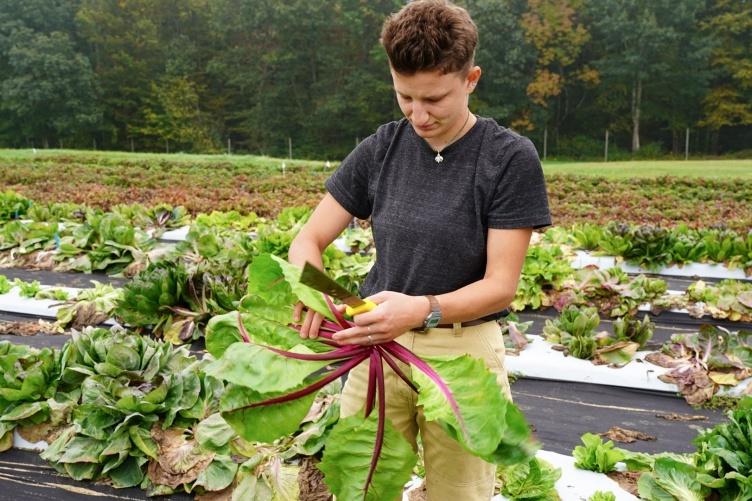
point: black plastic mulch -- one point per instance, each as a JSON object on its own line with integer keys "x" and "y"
{"x": 24, "y": 476}
{"x": 561, "y": 412}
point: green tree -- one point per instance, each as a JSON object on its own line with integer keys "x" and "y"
{"x": 553, "y": 28}
{"x": 48, "y": 90}
{"x": 172, "y": 114}
{"x": 729, "y": 101}
{"x": 507, "y": 60}
{"x": 634, "y": 38}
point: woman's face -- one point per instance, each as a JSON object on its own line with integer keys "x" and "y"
{"x": 435, "y": 103}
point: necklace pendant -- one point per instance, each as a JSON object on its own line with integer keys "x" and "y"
{"x": 439, "y": 158}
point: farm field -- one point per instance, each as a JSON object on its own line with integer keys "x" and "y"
{"x": 257, "y": 184}
{"x": 633, "y": 320}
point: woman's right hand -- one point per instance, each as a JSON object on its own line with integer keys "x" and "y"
{"x": 310, "y": 324}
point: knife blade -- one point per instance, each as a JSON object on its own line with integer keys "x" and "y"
{"x": 317, "y": 279}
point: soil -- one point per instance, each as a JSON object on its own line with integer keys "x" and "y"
{"x": 627, "y": 480}
{"x": 311, "y": 480}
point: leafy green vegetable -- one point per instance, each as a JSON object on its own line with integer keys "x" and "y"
{"x": 595, "y": 455}
{"x": 574, "y": 329}
{"x": 28, "y": 289}
{"x": 701, "y": 362}
{"x": 671, "y": 480}
{"x": 602, "y": 496}
{"x": 724, "y": 457}
{"x": 534, "y": 481}
{"x": 27, "y": 387}
{"x": 271, "y": 384}
{"x": 5, "y": 284}
{"x": 91, "y": 307}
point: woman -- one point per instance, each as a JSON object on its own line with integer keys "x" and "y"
{"x": 453, "y": 199}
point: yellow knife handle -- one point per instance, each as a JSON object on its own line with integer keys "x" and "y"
{"x": 366, "y": 306}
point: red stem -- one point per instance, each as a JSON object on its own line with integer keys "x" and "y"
{"x": 342, "y": 369}
{"x": 406, "y": 356}
{"x": 379, "y": 426}
{"x": 389, "y": 360}
{"x": 340, "y": 353}
{"x": 340, "y": 319}
{"x": 371, "y": 393}
{"x": 241, "y": 328}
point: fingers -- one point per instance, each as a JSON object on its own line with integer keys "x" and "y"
{"x": 297, "y": 311}
{"x": 311, "y": 324}
{"x": 363, "y": 335}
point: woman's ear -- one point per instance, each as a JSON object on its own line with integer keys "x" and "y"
{"x": 473, "y": 76}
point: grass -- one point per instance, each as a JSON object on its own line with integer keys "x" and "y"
{"x": 613, "y": 170}
{"x": 250, "y": 162}
{"x": 655, "y": 168}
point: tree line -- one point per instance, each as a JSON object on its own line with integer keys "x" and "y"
{"x": 264, "y": 76}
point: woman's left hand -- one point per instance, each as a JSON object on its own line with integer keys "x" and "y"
{"x": 396, "y": 314}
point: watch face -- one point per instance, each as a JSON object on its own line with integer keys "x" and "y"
{"x": 433, "y": 320}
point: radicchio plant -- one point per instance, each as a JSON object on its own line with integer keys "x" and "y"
{"x": 273, "y": 376}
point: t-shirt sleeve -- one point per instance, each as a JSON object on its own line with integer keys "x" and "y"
{"x": 349, "y": 183}
{"x": 520, "y": 199}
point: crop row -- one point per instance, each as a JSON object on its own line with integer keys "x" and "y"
{"x": 223, "y": 186}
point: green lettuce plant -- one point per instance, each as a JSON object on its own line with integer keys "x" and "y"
{"x": 595, "y": 455}
{"x": 534, "y": 480}
{"x": 724, "y": 455}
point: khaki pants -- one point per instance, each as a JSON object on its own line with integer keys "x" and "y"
{"x": 452, "y": 474}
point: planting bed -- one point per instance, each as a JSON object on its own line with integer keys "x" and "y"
{"x": 562, "y": 397}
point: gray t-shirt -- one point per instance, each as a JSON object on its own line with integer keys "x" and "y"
{"x": 430, "y": 220}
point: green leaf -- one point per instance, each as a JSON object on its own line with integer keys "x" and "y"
{"x": 213, "y": 433}
{"x": 266, "y": 423}
{"x": 261, "y": 369}
{"x": 312, "y": 298}
{"x": 141, "y": 438}
{"x": 475, "y": 389}
{"x": 219, "y": 474}
{"x": 348, "y": 454}
{"x": 129, "y": 474}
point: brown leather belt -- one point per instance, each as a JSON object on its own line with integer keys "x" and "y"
{"x": 469, "y": 323}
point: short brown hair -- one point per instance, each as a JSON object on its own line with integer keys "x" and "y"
{"x": 428, "y": 35}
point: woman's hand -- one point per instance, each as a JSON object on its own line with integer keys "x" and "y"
{"x": 396, "y": 314}
{"x": 311, "y": 323}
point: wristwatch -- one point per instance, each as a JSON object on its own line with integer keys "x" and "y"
{"x": 434, "y": 317}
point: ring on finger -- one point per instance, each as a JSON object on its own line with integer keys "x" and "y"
{"x": 370, "y": 339}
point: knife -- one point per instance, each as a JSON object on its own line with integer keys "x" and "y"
{"x": 317, "y": 279}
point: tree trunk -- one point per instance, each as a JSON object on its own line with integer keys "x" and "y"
{"x": 675, "y": 142}
{"x": 636, "y": 101}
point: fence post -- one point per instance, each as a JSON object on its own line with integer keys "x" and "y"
{"x": 545, "y": 143}
{"x": 605, "y": 151}
{"x": 289, "y": 148}
{"x": 229, "y": 146}
{"x": 686, "y": 146}
{"x": 132, "y": 148}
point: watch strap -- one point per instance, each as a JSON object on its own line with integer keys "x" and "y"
{"x": 434, "y": 316}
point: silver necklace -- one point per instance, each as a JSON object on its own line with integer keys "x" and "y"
{"x": 438, "y": 156}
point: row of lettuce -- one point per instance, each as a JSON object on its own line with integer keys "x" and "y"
{"x": 119, "y": 240}
{"x": 166, "y": 304}
{"x": 701, "y": 363}
{"x": 139, "y": 411}
{"x": 142, "y": 413}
